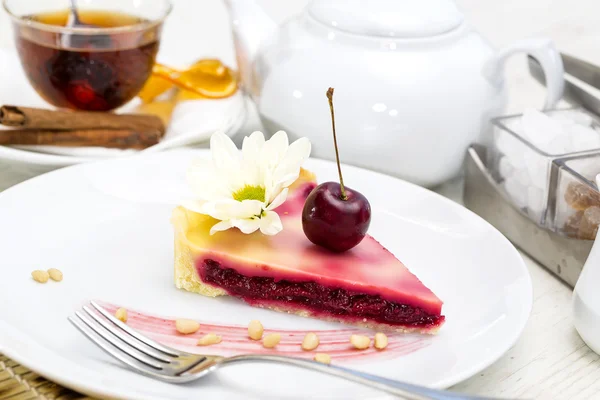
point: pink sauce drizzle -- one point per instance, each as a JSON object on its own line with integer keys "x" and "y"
{"x": 235, "y": 339}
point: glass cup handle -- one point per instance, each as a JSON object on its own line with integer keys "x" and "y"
{"x": 544, "y": 51}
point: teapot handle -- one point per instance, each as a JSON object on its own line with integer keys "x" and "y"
{"x": 544, "y": 51}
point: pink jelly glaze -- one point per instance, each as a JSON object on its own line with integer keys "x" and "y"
{"x": 368, "y": 268}
{"x": 235, "y": 339}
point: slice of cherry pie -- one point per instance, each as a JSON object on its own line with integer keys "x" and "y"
{"x": 365, "y": 286}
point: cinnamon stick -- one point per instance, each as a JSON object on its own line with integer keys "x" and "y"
{"x": 112, "y": 138}
{"x": 38, "y": 118}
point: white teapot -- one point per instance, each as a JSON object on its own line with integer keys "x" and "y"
{"x": 415, "y": 85}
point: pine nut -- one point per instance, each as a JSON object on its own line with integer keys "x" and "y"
{"x": 121, "y": 314}
{"x": 323, "y": 358}
{"x": 381, "y": 341}
{"x": 361, "y": 342}
{"x": 255, "y": 330}
{"x": 209, "y": 339}
{"x": 40, "y": 276}
{"x": 55, "y": 274}
{"x": 310, "y": 342}
{"x": 186, "y": 326}
{"x": 271, "y": 340}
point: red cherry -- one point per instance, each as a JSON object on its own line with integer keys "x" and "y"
{"x": 334, "y": 216}
{"x": 334, "y": 223}
{"x": 82, "y": 92}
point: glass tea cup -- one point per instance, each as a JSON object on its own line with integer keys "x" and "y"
{"x": 98, "y": 64}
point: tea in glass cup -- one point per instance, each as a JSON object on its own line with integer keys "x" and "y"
{"x": 97, "y": 64}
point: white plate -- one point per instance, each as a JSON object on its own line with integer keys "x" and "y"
{"x": 106, "y": 226}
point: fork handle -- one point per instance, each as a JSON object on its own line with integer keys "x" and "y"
{"x": 405, "y": 390}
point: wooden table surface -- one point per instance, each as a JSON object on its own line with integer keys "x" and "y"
{"x": 549, "y": 361}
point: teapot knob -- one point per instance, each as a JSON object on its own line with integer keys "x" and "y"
{"x": 544, "y": 51}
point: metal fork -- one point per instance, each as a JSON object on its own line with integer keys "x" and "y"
{"x": 152, "y": 359}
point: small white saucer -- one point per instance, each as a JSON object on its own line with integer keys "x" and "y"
{"x": 192, "y": 124}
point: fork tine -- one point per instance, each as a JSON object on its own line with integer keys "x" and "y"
{"x": 109, "y": 349}
{"x": 136, "y": 344}
{"x": 123, "y": 347}
{"x": 147, "y": 341}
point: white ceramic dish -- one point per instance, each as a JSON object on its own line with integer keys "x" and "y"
{"x": 106, "y": 226}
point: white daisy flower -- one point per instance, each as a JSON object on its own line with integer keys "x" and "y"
{"x": 243, "y": 189}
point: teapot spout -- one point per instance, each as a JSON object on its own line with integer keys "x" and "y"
{"x": 250, "y": 26}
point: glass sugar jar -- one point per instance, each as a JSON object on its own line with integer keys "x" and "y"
{"x": 545, "y": 164}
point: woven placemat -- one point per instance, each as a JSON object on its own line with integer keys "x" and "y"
{"x": 20, "y": 383}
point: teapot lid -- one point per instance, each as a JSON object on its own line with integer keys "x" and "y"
{"x": 388, "y": 18}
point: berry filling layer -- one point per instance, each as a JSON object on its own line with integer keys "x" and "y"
{"x": 337, "y": 303}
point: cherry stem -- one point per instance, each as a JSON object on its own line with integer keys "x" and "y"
{"x": 335, "y": 145}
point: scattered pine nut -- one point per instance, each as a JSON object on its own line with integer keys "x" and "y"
{"x": 361, "y": 342}
{"x": 255, "y": 330}
{"x": 186, "y": 326}
{"x": 209, "y": 339}
{"x": 40, "y": 276}
{"x": 310, "y": 342}
{"x": 55, "y": 274}
{"x": 121, "y": 314}
{"x": 322, "y": 358}
{"x": 381, "y": 341}
{"x": 271, "y": 340}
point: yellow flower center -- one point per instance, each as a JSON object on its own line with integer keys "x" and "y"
{"x": 250, "y": 192}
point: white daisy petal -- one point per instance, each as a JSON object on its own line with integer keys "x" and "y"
{"x": 232, "y": 209}
{"x": 252, "y": 145}
{"x": 288, "y": 169}
{"x": 278, "y": 200}
{"x": 270, "y": 223}
{"x": 250, "y": 175}
{"x": 273, "y": 150}
{"x": 220, "y": 226}
{"x": 285, "y": 180}
{"x": 247, "y": 225}
{"x": 248, "y": 208}
{"x": 299, "y": 150}
{"x": 221, "y": 209}
{"x": 209, "y": 208}
{"x": 270, "y": 190}
{"x": 226, "y": 162}
{"x": 251, "y": 148}
{"x": 226, "y": 157}
{"x": 279, "y": 141}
